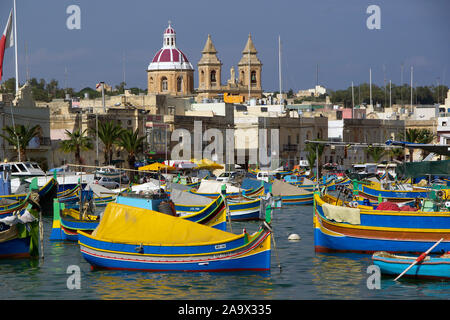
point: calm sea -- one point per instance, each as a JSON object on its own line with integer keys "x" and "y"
{"x": 297, "y": 273}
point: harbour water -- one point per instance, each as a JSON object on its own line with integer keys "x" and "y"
{"x": 304, "y": 274}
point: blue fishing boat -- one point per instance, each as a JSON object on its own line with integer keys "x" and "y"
{"x": 434, "y": 267}
{"x": 365, "y": 230}
{"x": 19, "y": 232}
{"x": 291, "y": 195}
{"x": 131, "y": 238}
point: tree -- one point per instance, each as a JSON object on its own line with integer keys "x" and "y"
{"x": 130, "y": 141}
{"x": 109, "y": 133}
{"x": 311, "y": 156}
{"x": 411, "y": 135}
{"x": 376, "y": 153}
{"x": 77, "y": 142}
{"x": 20, "y": 137}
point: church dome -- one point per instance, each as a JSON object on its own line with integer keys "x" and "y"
{"x": 169, "y": 57}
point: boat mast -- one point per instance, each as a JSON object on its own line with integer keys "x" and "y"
{"x": 15, "y": 49}
{"x": 279, "y": 64}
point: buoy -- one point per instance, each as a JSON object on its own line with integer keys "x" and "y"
{"x": 294, "y": 237}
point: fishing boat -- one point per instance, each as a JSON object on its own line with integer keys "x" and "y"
{"x": 46, "y": 193}
{"x": 67, "y": 222}
{"x": 239, "y": 209}
{"x": 19, "y": 232}
{"x": 434, "y": 267}
{"x": 291, "y": 195}
{"x": 213, "y": 214}
{"x": 365, "y": 230}
{"x": 374, "y": 191}
{"x": 213, "y": 189}
{"x": 130, "y": 238}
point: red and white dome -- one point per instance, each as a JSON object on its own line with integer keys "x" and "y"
{"x": 169, "y": 57}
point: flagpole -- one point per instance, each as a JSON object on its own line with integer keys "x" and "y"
{"x": 15, "y": 49}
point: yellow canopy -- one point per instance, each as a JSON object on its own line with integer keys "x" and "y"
{"x": 156, "y": 167}
{"x": 207, "y": 164}
{"x": 126, "y": 224}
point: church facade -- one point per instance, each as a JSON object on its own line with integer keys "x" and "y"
{"x": 170, "y": 72}
{"x": 246, "y": 84}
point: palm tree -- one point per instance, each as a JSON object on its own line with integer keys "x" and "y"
{"x": 425, "y": 137}
{"x": 77, "y": 142}
{"x": 20, "y": 136}
{"x": 311, "y": 156}
{"x": 411, "y": 135}
{"x": 376, "y": 153}
{"x": 109, "y": 133}
{"x": 130, "y": 141}
{"x": 395, "y": 153}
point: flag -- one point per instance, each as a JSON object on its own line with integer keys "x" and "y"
{"x": 6, "y": 41}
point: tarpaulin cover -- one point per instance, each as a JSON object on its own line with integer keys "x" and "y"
{"x": 187, "y": 198}
{"x": 423, "y": 168}
{"x": 212, "y": 186}
{"x": 249, "y": 183}
{"x": 280, "y": 188}
{"x": 125, "y": 224}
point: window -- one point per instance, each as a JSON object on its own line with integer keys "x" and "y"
{"x": 253, "y": 78}
{"x": 164, "y": 84}
{"x": 213, "y": 77}
{"x": 179, "y": 84}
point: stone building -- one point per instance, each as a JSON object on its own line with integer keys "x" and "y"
{"x": 210, "y": 74}
{"x": 170, "y": 72}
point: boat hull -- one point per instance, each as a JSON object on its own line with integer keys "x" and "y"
{"x": 433, "y": 267}
{"x": 254, "y": 257}
{"x": 381, "y": 231}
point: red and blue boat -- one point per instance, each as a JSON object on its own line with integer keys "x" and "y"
{"x": 338, "y": 228}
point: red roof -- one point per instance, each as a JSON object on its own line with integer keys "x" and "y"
{"x": 170, "y": 55}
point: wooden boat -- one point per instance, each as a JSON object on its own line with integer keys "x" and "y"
{"x": 212, "y": 189}
{"x": 212, "y": 215}
{"x": 436, "y": 267}
{"x": 364, "y": 230}
{"x": 373, "y": 192}
{"x": 19, "y": 233}
{"x": 46, "y": 195}
{"x": 291, "y": 195}
{"x": 130, "y": 238}
{"x": 67, "y": 222}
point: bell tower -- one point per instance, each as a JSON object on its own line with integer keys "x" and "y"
{"x": 209, "y": 68}
{"x": 249, "y": 68}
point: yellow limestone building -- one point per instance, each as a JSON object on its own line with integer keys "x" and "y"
{"x": 170, "y": 72}
{"x": 210, "y": 72}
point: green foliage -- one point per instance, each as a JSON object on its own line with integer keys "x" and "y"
{"x": 376, "y": 153}
{"x": 108, "y": 133}
{"x": 76, "y": 143}
{"x": 20, "y": 136}
{"x": 132, "y": 143}
{"x": 399, "y": 94}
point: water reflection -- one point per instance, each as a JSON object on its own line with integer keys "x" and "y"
{"x": 339, "y": 276}
{"x": 175, "y": 286}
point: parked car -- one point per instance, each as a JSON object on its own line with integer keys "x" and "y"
{"x": 108, "y": 183}
{"x": 226, "y": 176}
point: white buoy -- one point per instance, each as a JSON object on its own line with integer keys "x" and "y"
{"x": 294, "y": 237}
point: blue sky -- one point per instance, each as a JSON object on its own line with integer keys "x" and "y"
{"x": 332, "y": 34}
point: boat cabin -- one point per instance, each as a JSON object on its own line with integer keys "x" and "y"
{"x": 22, "y": 169}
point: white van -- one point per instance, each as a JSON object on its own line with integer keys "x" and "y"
{"x": 264, "y": 176}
